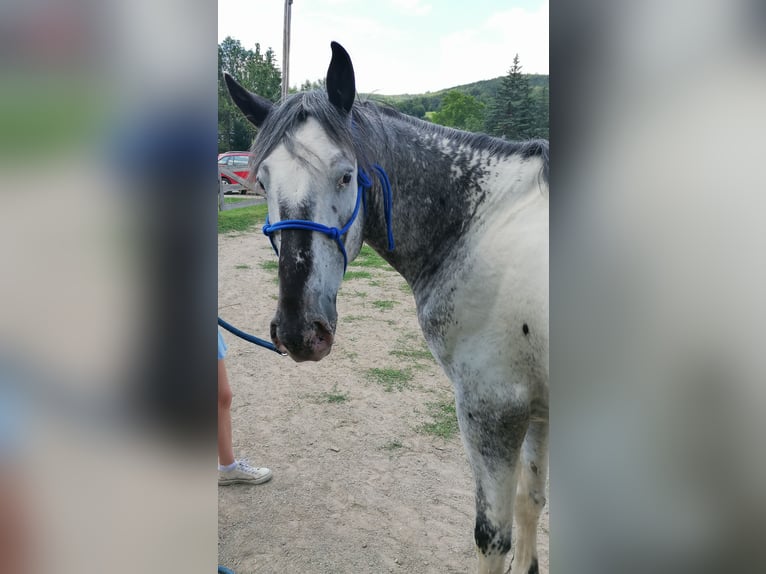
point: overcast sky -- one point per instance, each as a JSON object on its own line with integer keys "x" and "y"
{"x": 398, "y": 46}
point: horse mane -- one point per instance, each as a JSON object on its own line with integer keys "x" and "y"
{"x": 362, "y": 133}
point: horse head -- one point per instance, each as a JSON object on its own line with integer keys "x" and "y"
{"x": 306, "y": 163}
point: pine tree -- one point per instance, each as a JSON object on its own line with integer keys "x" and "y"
{"x": 512, "y": 114}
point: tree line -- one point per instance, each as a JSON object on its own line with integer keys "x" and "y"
{"x": 514, "y": 106}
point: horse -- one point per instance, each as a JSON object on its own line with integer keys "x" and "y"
{"x": 463, "y": 218}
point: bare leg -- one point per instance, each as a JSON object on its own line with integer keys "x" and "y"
{"x": 530, "y": 496}
{"x": 225, "y": 450}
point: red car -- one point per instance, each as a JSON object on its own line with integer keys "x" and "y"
{"x": 236, "y": 161}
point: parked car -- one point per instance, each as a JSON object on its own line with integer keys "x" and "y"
{"x": 238, "y": 162}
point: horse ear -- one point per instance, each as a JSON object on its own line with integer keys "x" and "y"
{"x": 252, "y": 105}
{"x": 341, "y": 84}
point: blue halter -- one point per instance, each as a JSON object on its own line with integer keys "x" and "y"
{"x": 333, "y": 232}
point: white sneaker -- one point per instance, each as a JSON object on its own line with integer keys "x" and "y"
{"x": 244, "y": 473}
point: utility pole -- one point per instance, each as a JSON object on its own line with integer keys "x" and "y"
{"x": 286, "y": 50}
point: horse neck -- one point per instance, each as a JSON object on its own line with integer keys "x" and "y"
{"x": 436, "y": 182}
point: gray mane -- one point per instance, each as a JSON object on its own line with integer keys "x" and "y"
{"x": 367, "y": 133}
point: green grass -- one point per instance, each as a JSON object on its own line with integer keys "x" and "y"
{"x": 357, "y": 275}
{"x": 415, "y": 354}
{"x": 351, "y": 318}
{"x": 384, "y": 304}
{"x": 270, "y": 265}
{"x": 393, "y": 445}
{"x": 406, "y": 288}
{"x": 444, "y": 423}
{"x": 390, "y": 379}
{"x": 242, "y": 266}
{"x": 241, "y": 219}
{"x": 369, "y": 258}
{"x": 228, "y": 199}
{"x": 334, "y": 396}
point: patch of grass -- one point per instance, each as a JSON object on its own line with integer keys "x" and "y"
{"x": 391, "y": 379}
{"x": 242, "y": 266}
{"x": 334, "y": 396}
{"x": 393, "y": 445}
{"x": 241, "y": 219}
{"x": 369, "y": 258}
{"x": 358, "y": 293}
{"x": 351, "y": 318}
{"x": 406, "y": 288}
{"x": 415, "y": 354}
{"x": 384, "y": 304}
{"x": 375, "y": 283}
{"x": 270, "y": 265}
{"x": 357, "y": 275}
{"x": 228, "y": 199}
{"x": 444, "y": 417}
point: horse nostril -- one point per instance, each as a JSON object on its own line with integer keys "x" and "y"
{"x": 323, "y": 337}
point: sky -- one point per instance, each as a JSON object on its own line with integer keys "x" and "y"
{"x": 397, "y": 46}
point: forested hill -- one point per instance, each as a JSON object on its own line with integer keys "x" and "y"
{"x": 485, "y": 91}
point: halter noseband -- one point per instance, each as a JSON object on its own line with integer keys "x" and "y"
{"x": 333, "y": 232}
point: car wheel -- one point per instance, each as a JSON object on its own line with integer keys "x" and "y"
{"x": 225, "y": 181}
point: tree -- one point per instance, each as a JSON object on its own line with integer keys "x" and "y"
{"x": 256, "y": 71}
{"x": 542, "y": 121}
{"x": 307, "y": 86}
{"x": 512, "y": 115}
{"x": 459, "y": 110}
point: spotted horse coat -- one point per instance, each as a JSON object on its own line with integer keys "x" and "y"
{"x": 470, "y": 221}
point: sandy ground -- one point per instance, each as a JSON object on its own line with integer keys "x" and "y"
{"x": 359, "y": 486}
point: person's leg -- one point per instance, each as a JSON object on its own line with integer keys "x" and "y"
{"x": 225, "y": 450}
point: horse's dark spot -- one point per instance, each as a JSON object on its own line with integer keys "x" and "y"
{"x": 470, "y": 416}
{"x": 334, "y": 209}
{"x": 525, "y": 328}
{"x": 533, "y": 567}
{"x": 533, "y": 466}
{"x": 488, "y": 538}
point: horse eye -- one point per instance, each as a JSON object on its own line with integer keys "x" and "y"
{"x": 346, "y": 179}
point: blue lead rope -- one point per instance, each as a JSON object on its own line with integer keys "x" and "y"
{"x": 365, "y": 183}
{"x": 249, "y": 338}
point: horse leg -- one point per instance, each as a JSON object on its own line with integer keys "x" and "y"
{"x": 530, "y": 495}
{"x": 493, "y": 435}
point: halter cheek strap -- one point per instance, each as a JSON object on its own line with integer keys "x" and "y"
{"x": 333, "y": 232}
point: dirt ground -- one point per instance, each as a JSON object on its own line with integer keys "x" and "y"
{"x": 360, "y": 484}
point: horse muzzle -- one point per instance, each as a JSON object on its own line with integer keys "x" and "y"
{"x": 310, "y": 341}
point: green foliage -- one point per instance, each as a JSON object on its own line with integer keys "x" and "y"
{"x": 369, "y": 258}
{"x": 461, "y": 111}
{"x": 444, "y": 420}
{"x": 270, "y": 265}
{"x": 413, "y": 354}
{"x": 334, "y": 396}
{"x": 357, "y": 275}
{"x": 242, "y": 218}
{"x": 518, "y": 112}
{"x": 307, "y": 86}
{"x": 390, "y": 378}
{"x": 256, "y": 71}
